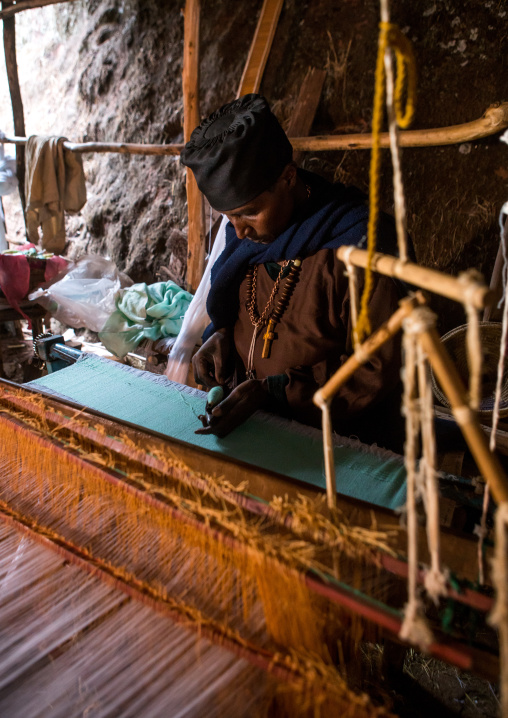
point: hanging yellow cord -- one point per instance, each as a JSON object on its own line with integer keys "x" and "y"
{"x": 389, "y": 36}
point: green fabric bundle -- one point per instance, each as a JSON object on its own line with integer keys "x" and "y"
{"x": 144, "y": 311}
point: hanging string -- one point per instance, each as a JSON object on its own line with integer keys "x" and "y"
{"x": 504, "y": 331}
{"x": 482, "y": 528}
{"x": 414, "y": 627}
{"x": 389, "y": 36}
{"x": 499, "y": 615}
{"x": 353, "y": 289}
{"x": 435, "y": 578}
{"x": 474, "y": 362}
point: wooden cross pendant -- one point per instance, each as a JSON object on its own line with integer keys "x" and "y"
{"x": 268, "y": 336}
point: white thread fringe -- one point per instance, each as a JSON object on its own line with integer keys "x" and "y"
{"x": 499, "y": 615}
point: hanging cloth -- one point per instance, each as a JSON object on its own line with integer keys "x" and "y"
{"x": 54, "y": 184}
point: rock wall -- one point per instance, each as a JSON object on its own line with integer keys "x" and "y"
{"x": 111, "y": 71}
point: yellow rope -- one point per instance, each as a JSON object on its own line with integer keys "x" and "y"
{"x": 389, "y": 36}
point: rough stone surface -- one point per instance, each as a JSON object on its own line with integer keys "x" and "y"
{"x": 111, "y": 71}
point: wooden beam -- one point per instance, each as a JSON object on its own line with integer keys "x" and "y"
{"x": 307, "y": 103}
{"x": 260, "y": 47}
{"x": 127, "y": 148}
{"x": 10, "y": 10}
{"x": 494, "y": 120}
{"x": 17, "y": 103}
{"x": 190, "y": 82}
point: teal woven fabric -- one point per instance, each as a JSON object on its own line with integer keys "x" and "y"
{"x": 265, "y": 441}
{"x": 145, "y": 311}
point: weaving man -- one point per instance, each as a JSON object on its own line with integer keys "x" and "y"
{"x": 280, "y": 264}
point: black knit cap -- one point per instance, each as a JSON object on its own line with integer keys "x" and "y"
{"x": 237, "y": 152}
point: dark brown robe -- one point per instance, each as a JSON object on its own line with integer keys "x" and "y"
{"x": 313, "y": 340}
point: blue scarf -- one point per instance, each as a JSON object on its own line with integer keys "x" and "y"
{"x": 333, "y": 216}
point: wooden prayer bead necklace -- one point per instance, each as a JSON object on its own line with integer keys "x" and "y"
{"x": 259, "y": 321}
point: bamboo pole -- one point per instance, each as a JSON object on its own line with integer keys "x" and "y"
{"x": 11, "y": 64}
{"x": 260, "y": 47}
{"x": 190, "y": 83}
{"x": 8, "y": 12}
{"x": 323, "y": 397}
{"x": 456, "y": 393}
{"x": 493, "y": 121}
{"x": 460, "y": 291}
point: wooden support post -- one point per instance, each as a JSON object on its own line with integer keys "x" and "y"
{"x": 475, "y": 292}
{"x": 260, "y": 47}
{"x": 456, "y": 393}
{"x": 15, "y": 92}
{"x": 191, "y": 118}
{"x": 304, "y": 112}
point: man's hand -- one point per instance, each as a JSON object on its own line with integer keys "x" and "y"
{"x": 243, "y": 401}
{"x": 212, "y": 362}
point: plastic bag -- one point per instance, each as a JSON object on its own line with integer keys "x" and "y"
{"x": 85, "y": 297}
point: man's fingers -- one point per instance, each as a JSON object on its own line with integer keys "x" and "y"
{"x": 202, "y": 372}
{"x": 204, "y": 430}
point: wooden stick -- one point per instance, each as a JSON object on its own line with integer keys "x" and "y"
{"x": 331, "y": 480}
{"x": 493, "y": 121}
{"x": 323, "y": 397}
{"x": 11, "y": 65}
{"x": 8, "y": 12}
{"x": 366, "y": 350}
{"x": 190, "y": 83}
{"x": 126, "y": 148}
{"x": 438, "y": 282}
{"x": 260, "y": 47}
{"x": 456, "y": 393}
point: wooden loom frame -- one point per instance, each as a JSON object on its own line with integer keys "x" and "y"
{"x": 60, "y": 414}
{"x": 353, "y": 142}
{"x": 480, "y": 296}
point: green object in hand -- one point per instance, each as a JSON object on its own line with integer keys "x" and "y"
{"x": 215, "y": 396}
